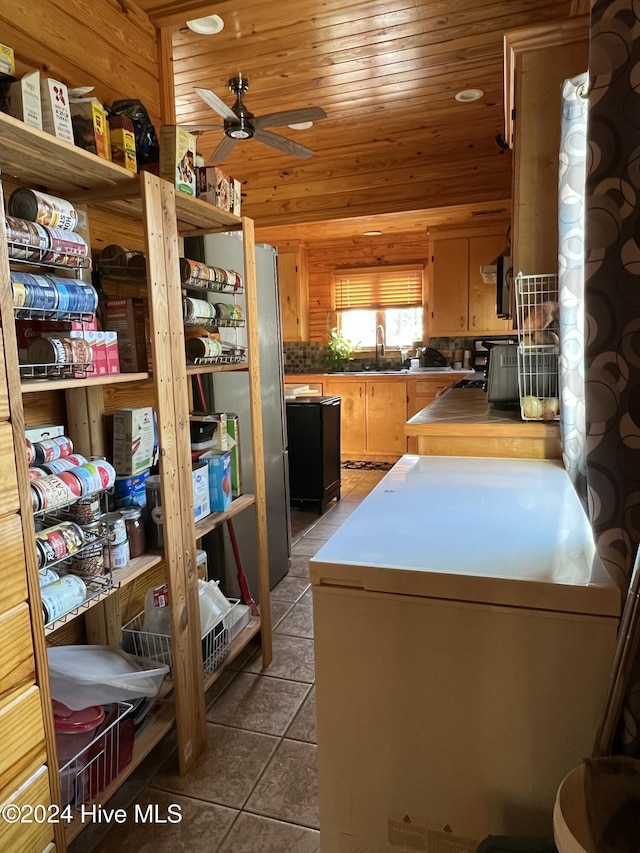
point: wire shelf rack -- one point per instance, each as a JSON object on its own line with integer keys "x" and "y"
{"x": 538, "y": 346}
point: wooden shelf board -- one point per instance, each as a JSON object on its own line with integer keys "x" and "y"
{"x": 217, "y": 518}
{"x": 35, "y": 157}
{"x": 235, "y": 647}
{"x": 136, "y": 567}
{"x": 214, "y": 368}
{"x": 162, "y": 720}
{"x": 32, "y": 386}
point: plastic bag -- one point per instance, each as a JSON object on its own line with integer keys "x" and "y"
{"x": 147, "y": 146}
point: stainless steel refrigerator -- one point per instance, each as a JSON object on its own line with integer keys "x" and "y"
{"x": 229, "y": 392}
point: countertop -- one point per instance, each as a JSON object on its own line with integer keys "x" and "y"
{"x": 421, "y": 373}
{"x": 462, "y": 411}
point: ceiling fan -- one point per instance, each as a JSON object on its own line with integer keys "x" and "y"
{"x": 240, "y": 123}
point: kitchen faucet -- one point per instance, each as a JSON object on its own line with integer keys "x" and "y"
{"x": 379, "y": 334}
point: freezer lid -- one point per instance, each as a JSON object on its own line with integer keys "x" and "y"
{"x": 495, "y": 531}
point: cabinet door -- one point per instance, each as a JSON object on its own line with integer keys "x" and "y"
{"x": 353, "y": 430}
{"x": 482, "y": 297}
{"x": 386, "y": 416}
{"x": 449, "y": 285}
{"x": 294, "y": 299}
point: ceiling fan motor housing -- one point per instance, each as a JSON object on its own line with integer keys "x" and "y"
{"x": 244, "y": 127}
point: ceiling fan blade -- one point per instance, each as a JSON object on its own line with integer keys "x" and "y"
{"x": 216, "y": 103}
{"x": 201, "y": 128}
{"x": 290, "y": 117}
{"x": 224, "y": 148}
{"x": 283, "y": 144}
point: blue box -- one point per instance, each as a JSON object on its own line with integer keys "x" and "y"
{"x": 219, "y": 468}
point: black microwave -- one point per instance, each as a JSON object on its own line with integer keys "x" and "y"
{"x": 504, "y": 287}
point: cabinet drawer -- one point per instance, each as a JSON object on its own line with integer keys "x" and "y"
{"x": 14, "y": 572}
{"x": 16, "y": 662}
{"x": 21, "y": 734}
{"x": 9, "y": 492}
{"x": 425, "y": 388}
{"x": 25, "y": 837}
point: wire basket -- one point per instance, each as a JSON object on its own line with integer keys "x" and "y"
{"x": 538, "y": 346}
{"x": 91, "y": 770}
{"x": 146, "y": 644}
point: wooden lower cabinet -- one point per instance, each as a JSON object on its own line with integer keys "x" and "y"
{"x": 420, "y": 394}
{"x": 373, "y": 415}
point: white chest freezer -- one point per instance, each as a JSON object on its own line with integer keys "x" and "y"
{"x": 464, "y": 635}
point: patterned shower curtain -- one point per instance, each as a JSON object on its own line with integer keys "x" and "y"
{"x": 571, "y": 225}
{"x": 612, "y": 301}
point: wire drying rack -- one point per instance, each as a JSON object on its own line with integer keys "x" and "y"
{"x": 538, "y": 346}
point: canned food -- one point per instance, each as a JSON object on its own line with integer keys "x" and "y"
{"x": 90, "y": 563}
{"x": 116, "y": 528}
{"x": 51, "y": 492}
{"x": 31, "y": 453}
{"x": 47, "y": 576}
{"x": 61, "y": 596}
{"x": 43, "y": 208}
{"x": 197, "y": 309}
{"x": 203, "y": 347}
{"x": 49, "y": 351}
{"x": 50, "y": 449}
{"x": 73, "y": 483}
{"x": 86, "y": 511}
{"x": 58, "y": 542}
{"x": 106, "y": 472}
{"x": 116, "y": 556}
{"x": 87, "y": 479}
{"x": 27, "y": 240}
{"x": 75, "y": 296}
{"x": 118, "y": 261}
{"x": 36, "y": 473}
{"x": 65, "y": 247}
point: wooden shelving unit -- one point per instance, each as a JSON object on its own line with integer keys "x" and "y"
{"x": 215, "y": 519}
{"x": 32, "y": 158}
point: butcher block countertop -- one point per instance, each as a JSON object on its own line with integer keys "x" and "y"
{"x": 462, "y": 423}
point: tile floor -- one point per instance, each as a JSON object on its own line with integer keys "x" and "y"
{"x": 255, "y": 788}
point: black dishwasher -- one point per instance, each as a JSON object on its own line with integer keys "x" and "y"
{"x": 313, "y": 429}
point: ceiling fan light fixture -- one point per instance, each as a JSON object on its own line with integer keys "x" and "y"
{"x": 301, "y": 125}
{"x": 208, "y": 26}
{"x": 468, "y": 96}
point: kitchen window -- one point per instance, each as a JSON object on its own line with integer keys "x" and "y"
{"x": 386, "y": 296}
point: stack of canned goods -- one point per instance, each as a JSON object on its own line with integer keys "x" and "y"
{"x": 203, "y": 347}
{"x": 197, "y": 274}
{"x": 28, "y": 241}
{"x": 198, "y": 311}
{"x": 51, "y": 296}
{"x": 58, "y": 476}
{"x": 59, "y": 542}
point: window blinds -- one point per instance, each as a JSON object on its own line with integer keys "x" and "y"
{"x": 378, "y": 287}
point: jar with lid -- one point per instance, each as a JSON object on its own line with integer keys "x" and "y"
{"x": 135, "y": 530}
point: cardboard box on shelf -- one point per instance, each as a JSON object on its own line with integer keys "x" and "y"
{"x": 127, "y": 318}
{"x": 201, "y": 503}
{"x": 217, "y": 188}
{"x": 219, "y": 476}
{"x": 178, "y": 158}
{"x": 111, "y": 349}
{"x": 56, "y": 115}
{"x": 90, "y": 127}
{"x": 96, "y": 341}
{"x": 235, "y": 196}
{"x": 123, "y": 142}
{"x": 133, "y": 440}
{"x": 25, "y": 101}
{"x": 7, "y": 60}
{"x": 44, "y": 431}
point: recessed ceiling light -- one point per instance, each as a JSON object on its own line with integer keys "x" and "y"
{"x": 208, "y": 26}
{"x": 372, "y": 233}
{"x": 301, "y": 125}
{"x": 467, "y": 96}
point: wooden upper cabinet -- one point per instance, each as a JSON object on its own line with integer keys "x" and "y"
{"x": 294, "y": 293}
{"x": 449, "y": 286}
{"x": 537, "y": 61}
{"x": 460, "y": 302}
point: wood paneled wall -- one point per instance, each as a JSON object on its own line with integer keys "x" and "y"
{"x": 102, "y": 43}
{"x": 325, "y": 257}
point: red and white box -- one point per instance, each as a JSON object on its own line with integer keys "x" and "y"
{"x": 111, "y": 349}
{"x": 96, "y": 341}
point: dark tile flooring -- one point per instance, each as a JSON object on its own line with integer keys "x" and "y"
{"x": 255, "y": 788}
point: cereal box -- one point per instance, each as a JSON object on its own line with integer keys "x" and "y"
{"x": 56, "y": 115}
{"x": 133, "y": 440}
{"x": 178, "y": 158}
{"x": 25, "y": 101}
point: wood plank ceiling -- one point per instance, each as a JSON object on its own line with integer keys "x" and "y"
{"x": 395, "y": 141}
